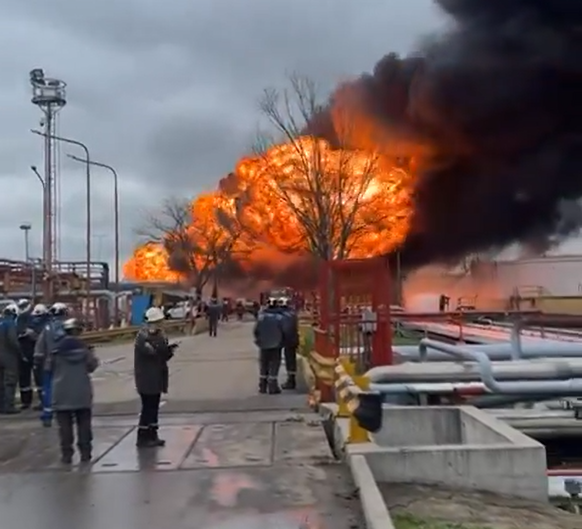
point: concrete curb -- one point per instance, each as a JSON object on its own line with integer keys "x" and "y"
{"x": 375, "y": 510}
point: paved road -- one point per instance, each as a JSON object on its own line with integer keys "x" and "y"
{"x": 207, "y": 374}
{"x": 267, "y": 465}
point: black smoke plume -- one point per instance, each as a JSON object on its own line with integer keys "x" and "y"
{"x": 497, "y": 101}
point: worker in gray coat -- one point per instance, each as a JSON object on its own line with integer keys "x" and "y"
{"x": 213, "y": 313}
{"x": 268, "y": 333}
{"x": 10, "y": 354}
{"x": 290, "y": 342}
{"x": 152, "y": 351}
{"x": 72, "y": 391}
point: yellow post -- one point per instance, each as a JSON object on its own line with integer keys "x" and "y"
{"x": 343, "y": 410}
{"x": 357, "y": 433}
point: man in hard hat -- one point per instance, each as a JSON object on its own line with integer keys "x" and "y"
{"x": 10, "y": 354}
{"x": 72, "y": 392}
{"x": 26, "y": 339}
{"x": 152, "y": 351}
{"x": 290, "y": 342}
{"x": 39, "y": 318}
{"x": 45, "y": 346}
{"x": 269, "y": 335}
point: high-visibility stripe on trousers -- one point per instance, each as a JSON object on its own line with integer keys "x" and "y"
{"x": 47, "y": 397}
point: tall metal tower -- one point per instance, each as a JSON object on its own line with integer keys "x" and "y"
{"x": 50, "y": 96}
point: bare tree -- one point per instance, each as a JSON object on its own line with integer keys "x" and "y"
{"x": 301, "y": 193}
{"x": 196, "y": 245}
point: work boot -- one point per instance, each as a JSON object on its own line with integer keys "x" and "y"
{"x": 273, "y": 387}
{"x": 86, "y": 457}
{"x": 145, "y": 439}
{"x": 290, "y": 383}
{"x": 156, "y": 438}
{"x": 67, "y": 458}
{"x": 263, "y": 386}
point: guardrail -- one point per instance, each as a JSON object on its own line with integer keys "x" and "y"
{"x": 171, "y": 327}
{"x": 363, "y": 408}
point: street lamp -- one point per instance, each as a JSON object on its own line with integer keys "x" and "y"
{"x": 25, "y": 227}
{"x": 88, "y": 202}
{"x": 115, "y": 220}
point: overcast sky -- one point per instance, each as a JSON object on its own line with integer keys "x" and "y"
{"x": 167, "y": 93}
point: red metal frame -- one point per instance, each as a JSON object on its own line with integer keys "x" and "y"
{"x": 351, "y": 282}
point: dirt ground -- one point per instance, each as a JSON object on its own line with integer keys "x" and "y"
{"x": 474, "y": 510}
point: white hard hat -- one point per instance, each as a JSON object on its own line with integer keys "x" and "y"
{"x": 23, "y": 302}
{"x": 39, "y": 310}
{"x": 11, "y": 309}
{"x": 59, "y": 308}
{"x": 72, "y": 324}
{"x": 154, "y": 315}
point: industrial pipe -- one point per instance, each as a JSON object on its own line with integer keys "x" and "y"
{"x": 557, "y": 368}
{"x": 572, "y": 387}
{"x": 497, "y": 351}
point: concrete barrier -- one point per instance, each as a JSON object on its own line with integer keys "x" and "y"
{"x": 455, "y": 447}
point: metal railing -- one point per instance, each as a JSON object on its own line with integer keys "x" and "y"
{"x": 127, "y": 333}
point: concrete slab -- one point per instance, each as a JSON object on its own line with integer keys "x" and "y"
{"x": 232, "y": 445}
{"x": 280, "y": 494}
{"x": 301, "y": 440}
{"x": 259, "y": 498}
{"x": 124, "y": 456}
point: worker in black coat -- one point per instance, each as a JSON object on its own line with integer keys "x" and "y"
{"x": 152, "y": 351}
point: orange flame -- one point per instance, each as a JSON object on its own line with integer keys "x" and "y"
{"x": 270, "y": 193}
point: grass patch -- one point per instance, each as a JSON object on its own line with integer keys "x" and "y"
{"x": 408, "y": 521}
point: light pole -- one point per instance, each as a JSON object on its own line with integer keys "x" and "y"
{"x": 46, "y": 220}
{"x": 25, "y": 227}
{"x": 115, "y": 220}
{"x": 88, "y": 206}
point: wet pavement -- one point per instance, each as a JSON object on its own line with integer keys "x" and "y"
{"x": 217, "y": 471}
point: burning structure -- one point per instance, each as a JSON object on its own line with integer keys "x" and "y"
{"x": 471, "y": 143}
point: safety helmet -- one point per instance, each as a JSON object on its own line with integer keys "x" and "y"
{"x": 23, "y": 304}
{"x": 11, "y": 310}
{"x": 154, "y": 315}
{"x": 272, "y": 302}
{"x": 39, "y": 310}
{"x": 72, "y": 324}
{"x": 283, "y": 302}
{"x": 58, "y": 309}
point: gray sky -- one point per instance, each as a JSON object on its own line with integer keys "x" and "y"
{"x": 165, "y": 92}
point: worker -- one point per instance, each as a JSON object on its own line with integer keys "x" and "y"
{"x": 213, "y": 312}
{"x": 151, "y": 355}
{"x": 72, "y": 393}
{"x": 46, "y": 344}
{"x": 39, "y": 319}
{"x": 268, "y": 334}
{"x": 26, "y": 339}
{"x": 290, "y": 342}
{"x": 10, "y": 353}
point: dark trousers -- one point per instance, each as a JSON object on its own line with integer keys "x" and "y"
{"x": 212, "y": 326}
{"x": 8, "y": 383}
{"x": 67, "y": 421}
{"x": 290, "y": 354}
{"x": 269, "y": 363}
{"x": 26, "y": 376}
{"x": 150, "y": 408}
